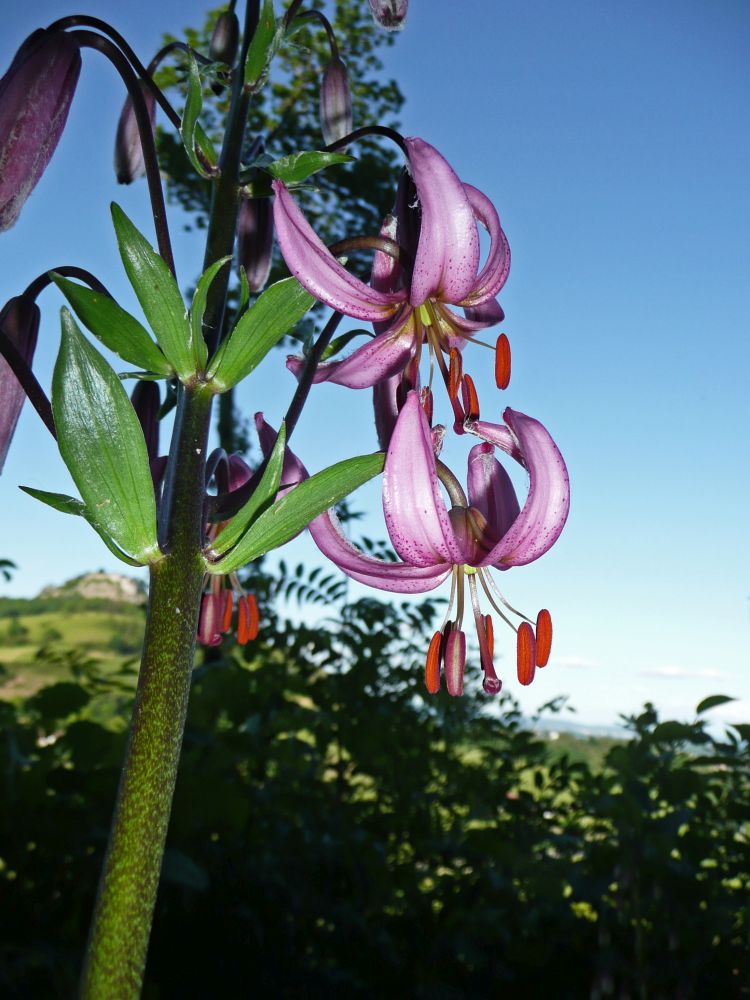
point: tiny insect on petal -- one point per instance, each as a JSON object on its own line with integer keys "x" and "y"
{"x": 543, "y": 637}
{"x": 526, "y": 654}
{"x": 432, "y": 666}
{"x": 502, "y": 362}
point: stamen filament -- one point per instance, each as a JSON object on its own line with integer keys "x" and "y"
{"x": 505, "y": 602}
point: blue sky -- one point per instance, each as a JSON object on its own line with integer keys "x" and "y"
{"x": 613, "y": 140}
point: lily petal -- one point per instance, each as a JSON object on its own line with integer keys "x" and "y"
{"x": 415, "y": 513}
{"x": 494, "y": 274}
{"x": 385, "y": 406}
{"x": 447, "y": 257}
{"x": 543, "y": 516}
{"x": 318, "y": 271}
{"x": 487, "y": 313}
{"x": 396, "y": 577}
{"x": 379, "y": 358}
{"x": 491, "y": 491}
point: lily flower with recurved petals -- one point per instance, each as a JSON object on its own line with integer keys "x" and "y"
{"x": 411, "y": 306}
{"x": 487, "y": 529}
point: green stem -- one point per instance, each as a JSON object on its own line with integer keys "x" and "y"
{"x": 118, "y": 942}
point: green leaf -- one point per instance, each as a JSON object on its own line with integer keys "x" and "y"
{"x": 267, "y": 488}
{"x": 244, "y": 291}
{"x": 102, "y": 444}
{"x": 298, "y": 167}
{"x": 671, "y": 731}
{"x": 71, "y": 505}
{"x": 263, "y": 47}
{"x": 115, "y": 328}
{"x": 293, "y": 512}
{"x": 200, "y": 352}
{"x": 259, "y": 328}
{"x": 340, "y": 343}
{"x": 58, "y": 501}
{"x": 198, "y": 146}
{"x": 713, "y": 701}
{"x": 158, "y": 294}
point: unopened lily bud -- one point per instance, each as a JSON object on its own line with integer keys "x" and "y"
{"x": 146, "y": 402}
{"x": 335, "y": 102}
{"x": 389, "y": 14}
{"x": 225, "y": 38}
{"x": 35, "y": 96}
{"x": 255, "y": 240}
{"x": 19, "y": 321}
{"x": 129, "y": 163}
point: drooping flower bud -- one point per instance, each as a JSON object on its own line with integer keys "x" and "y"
{"x": 129, "y": 163}
{"x": 19, "y": 321}
{"x": 255, "y": 240}
{"x": 389, "y": 14}
{"x": 35, "y": 96}
{"x": 225, "y": 38}
{"x": 335, "y": 102}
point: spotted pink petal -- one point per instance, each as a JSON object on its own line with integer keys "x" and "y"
{"x": 447, "y": 258}
{"x": 315, "y": 267}
{"x": 543, "y": 516}
{"x": 415, "y": 514}
{"x": 491, "y": 490}
{"x": 494, "y": 274}
{"x": 379, "y": 358}
{"x": 395, "y": 577}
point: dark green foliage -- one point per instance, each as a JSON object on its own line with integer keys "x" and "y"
{"x": 336, "y": 834}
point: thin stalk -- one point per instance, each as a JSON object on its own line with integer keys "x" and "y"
{"x": 89, "y": 39}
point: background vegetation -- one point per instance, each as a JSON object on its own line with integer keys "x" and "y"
{"x": 337, "y": 834}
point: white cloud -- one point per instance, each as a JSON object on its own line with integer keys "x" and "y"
{"x": 671, "y": 671}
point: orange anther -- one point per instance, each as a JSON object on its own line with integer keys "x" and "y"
{"x": 455, "y": 371}
{"x": 490, "y": 633}
{"x": 425, "y": 397}
{"x": 470, "y": 398}
{"x": 432, "y": 666}
{"x": 525, "y": 654}
{"x": 248, "y": 619}
{"x": 502, "y": 362}
{"x": 226, "y": 618}
{"x": 543, "y": 637}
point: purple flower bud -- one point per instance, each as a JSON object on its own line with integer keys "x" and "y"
{"x": 146, "y": 402}
{"x": 335, "y": 102}
{"x": 35, "y": 96}
{"x": 389, "y": 14}
{"x": 19, "y": 321}
{"x": 225, "y": 38}
{"x": 129, "y": 163}
{"x": 255, "y": 240}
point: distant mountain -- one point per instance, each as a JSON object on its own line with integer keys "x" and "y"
{"x": 100, "y": 586}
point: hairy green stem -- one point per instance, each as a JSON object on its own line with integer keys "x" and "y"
{"x": 118, "y": 941}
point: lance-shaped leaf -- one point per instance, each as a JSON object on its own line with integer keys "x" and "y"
{"x": 262, "y": 47}
{"x": 158, "y": 294}
{"x": 713, "y": 701}
{"x": 114, "y": 327}
{"x": 102, "y": 444}
{"x": 274, "y": 314}
{"x": 289, "y": 515}
{"x": 267, "y": 488}
{"x": 71, "y": 505}
{"x": 200, "y": 352}
{"x": 297, "y": 167}
{"x": 198, "y": 146}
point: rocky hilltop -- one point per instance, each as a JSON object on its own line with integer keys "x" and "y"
{"x": 105, "y": 586}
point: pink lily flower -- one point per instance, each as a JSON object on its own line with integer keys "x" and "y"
{"x": 409, "y": 306}
{"x": 487, "y": 529}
